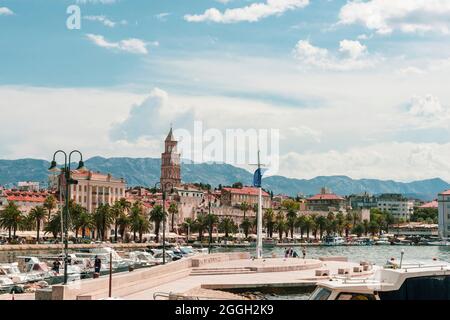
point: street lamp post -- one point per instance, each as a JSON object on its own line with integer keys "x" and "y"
{"x": 163, "y": 189}
{"x": 210, "y": 225}
{"x": 68, "y": 181}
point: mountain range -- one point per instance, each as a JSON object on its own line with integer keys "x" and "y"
{"x": 146, "y": 172}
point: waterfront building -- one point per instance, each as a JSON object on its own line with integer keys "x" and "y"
{"x": 25, "y": 200}
{"x": 170, "y": 163}
{"x": 189, "y": 198}
{"x": 326, "y": 201}
{"x": 444, "y": 213}
{"x": 236, "y": 196}
{"x": 28, "y": 186}
{"x": 362, "y": 201}
{"x": 430, "y": 205}
{"x": 396, "y": 204}
{"x": 94, "y": 188}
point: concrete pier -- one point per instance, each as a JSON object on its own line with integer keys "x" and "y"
{"x": 202, "y": 276}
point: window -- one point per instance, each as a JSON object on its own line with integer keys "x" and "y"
{"x": 321, "y": 294}
{"x": 355, "y": 296}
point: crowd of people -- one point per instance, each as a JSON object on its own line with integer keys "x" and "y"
{"x": 291, "y": 253}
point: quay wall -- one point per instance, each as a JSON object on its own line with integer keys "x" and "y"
{"x": 131, "y": 282}
{"x": 37, "y": 247}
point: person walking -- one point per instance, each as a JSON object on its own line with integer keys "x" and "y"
{"x": 304, "y": 252}
{"x": 97, "y": 264}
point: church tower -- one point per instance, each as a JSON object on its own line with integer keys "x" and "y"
{"x": 170, "y": 163}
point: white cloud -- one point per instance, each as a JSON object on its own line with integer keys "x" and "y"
{"x": 353, "y": 56}
{"x": 104, "y": 20}
{"x": 132, "y": 45}
{"x": 409, "y": 16}
{"x": 162, "y": 16}
{"x": 389, "y": 160}
{"x": 427, "y": 106}
{"x": 353, "y": 48}
{"x": 151, "y": 117}
{"x": 251, "y": 13}
{"x": 4, "y": 11}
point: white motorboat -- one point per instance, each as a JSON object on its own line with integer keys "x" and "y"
{"x": 12, "y": 271}
{"x": 334, "y": 241}
{"x": 6, "y": 284}
{"x": 36, "y": 268}
{"x": 383, "y": 241}
{"x": 142, "y": 258}
{"x": 428, "y": 280}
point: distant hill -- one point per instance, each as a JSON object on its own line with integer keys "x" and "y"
{"x": 146, "y": 172}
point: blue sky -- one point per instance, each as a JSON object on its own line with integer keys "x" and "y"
{"x": 355, "y": 87}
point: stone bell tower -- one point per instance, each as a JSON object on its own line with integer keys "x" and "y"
{"x": 170, "y": 163}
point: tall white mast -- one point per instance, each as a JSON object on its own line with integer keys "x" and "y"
{"x": 259, "y": 246}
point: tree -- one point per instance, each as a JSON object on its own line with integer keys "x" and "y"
{"x": 50, "y": 204}
{"x": 358, "y": 229}
{"x": 173, "y": 210}
{"x": 237, "y": 185}
{"x": 366, "y": 226}
{"x": 308, "y": 224}
{"x": 38, "y": 214}
{"x": 123, "y": 223}
{"x": 348, "y": 224}
{"x": 321, "y": 223}
{"x": 340, "y": 219}
{"x": 102, "y": 219}
{"x": 227, "y": 226}
{"x": 11, "y": 218}
{"x": 269, "y": 221}
{"x": 246, "y": 225}
{"x": 245, "y": 207}
{"x": 300, "y": 224}
{"x": 157, "y": 216}
{"x": 54, "y": 225}
{"x": 373, "y": 227}
{"x": 83, "y": 222}
{"x": 75, "y": 211}
{"x": 291, "y": 207}
{"x": 280, "y": 223}
{"x": 118, "y": 210}
{"x": 187, "y": 226}
{"x": 200, "y": 225}
{"x": 211, "y": 220}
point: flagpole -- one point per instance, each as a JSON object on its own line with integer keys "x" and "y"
{"x": 259, "y": 226}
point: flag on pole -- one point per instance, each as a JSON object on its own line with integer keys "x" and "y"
{"x": 257, "y": 177}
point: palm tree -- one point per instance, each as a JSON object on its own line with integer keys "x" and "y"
{"x": 358, "y": 229}
{"x": 389, "y": 218}
{"x": 156, "y": 216}
{"x": 50, "y": 204}
{"x": 123, "y": 223}
{"x": 269, "y": 221}
{"x": 200, "y": 224}
{"x": 366, "y": 226}
{"x": 103, "y": 219}
{"x": 308, "y": 224}
{"x": 246, "y": 225}
{"x": 38, "y": 214}
{"x": 188, "y": 226}
{"x": 300, "y": 223}
{"x": 227, "y": 226}
{"x": 322, "y": 223}
{"x": 292, "y": 207}
{"x": 11, "y": 218}
{"x": 141, "y": 225}
{"x": 373, "y": 227}
{"x": 75, "y": 211}
{"x": 245, "y": 207}
{"x": 211, "y": 220}
{"x": 54, "y": 225}
{"x": 340, "y": 219}
{"x": 348, "y": 224}
{"x": 83, "y": 222}
{"x": 118, "y": 211}
{"x": 280, "y": 223}
{"x": 173, "y": 210}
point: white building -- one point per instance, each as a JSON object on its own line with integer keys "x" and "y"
{"x": 399, "y": 208}
{"x": 444, "y": 213}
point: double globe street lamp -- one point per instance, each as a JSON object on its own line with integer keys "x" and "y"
{"x": 68, "y": 182}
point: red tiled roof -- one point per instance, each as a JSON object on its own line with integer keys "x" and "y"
{"x": 326, "y": 196}
{"x": 250, "y": 191}
{"x": 432, "y": 204}
{"x": 445, "y": 193}
{"x": 26, "y": 196}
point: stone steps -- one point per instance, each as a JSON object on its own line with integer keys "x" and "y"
{"x": 218, "y": 271}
